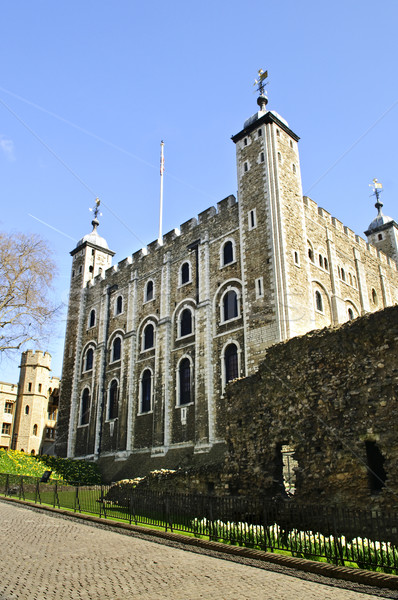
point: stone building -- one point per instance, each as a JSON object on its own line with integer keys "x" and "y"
{"x": 36, "y": 405}
{"x": 152, "y": 341}
{"x": 8, "y": 398}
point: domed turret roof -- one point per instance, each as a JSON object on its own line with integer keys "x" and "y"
{"x": 93, "y": 237}
{"x": 379, "y": 221}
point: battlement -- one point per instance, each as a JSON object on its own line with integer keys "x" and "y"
{"x": 36, "y": 358}
{"x": 317, "y": 212}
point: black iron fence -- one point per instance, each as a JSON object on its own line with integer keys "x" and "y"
{"x": 367, "y": 539}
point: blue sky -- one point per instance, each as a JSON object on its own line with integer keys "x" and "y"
{"x": 89, "y": 89}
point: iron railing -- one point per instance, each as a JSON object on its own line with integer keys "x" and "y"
{"x": 367, "y": 539}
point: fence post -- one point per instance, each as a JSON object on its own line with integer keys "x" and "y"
{"x": 77, "y": 501}
{"x": 21, "y": 489}
{"x": 102, "y": 503}
{"x": 7, "y": 484}
{"x": 37, "y": 492}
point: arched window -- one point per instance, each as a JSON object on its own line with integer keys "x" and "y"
{"x": 113, "y": 400}
{"x": 149, "y": 291}
{"x": 146, "y": 391}
{"x": 85, "y": 407}
{"x": 184, "y": 381}
{"x": 35, "y": 429}
{"x": 374, "y": 296}
{"x": 318, "y": 301}
{"x": 88, "y": 359}
{"x": 311, "y": 254}
{"x": 91, "y": 321}
{"x": 33, "y": 452}
{"x": 325, "y": 264}
{"x": 27, "y": 409}
{"x": 185, "y": 322}
{"x": 230, "y": 305}
{"x": 185, "y": 273}
{"x": 350, "y": 314}
{"x": 148, "y": 337}
{"x": 320, "y": 261}
{"x": 231, "y": 363}
{"x": 116, "y": 349}
{"x": 342, "y": 274}
{"x": 119, "y": 305}
{"x": 227, "y": 253}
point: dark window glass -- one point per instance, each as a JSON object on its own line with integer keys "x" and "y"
{"x": 320, "y": 261}
{"x": 231, "y": 363}
{"x": 27, "y": 409}
{"x": 230, "y": 304}
{"x": 318, "y": 301}
{"x": 146, "y": 383}
{"x": 185, "y": 276}
{"x": 89, "y": 360}
{"x": 35, "y": 429}
{"x": 92, "y": 318}
{"x": 186, "y": 322}
{"x": 310, "y": 254}
{"x": 149, "y": 291}
{"x": 113, "y": 400}
{"x": 228, "y": 253}
{"x": 116, "y": 349}
{"x": 85, "y": 410}
{"x": 119, "y": 305}
{"x": 350, "y": 314}
{"x": 148, "y": 336}
{"x": 185, "y": 381}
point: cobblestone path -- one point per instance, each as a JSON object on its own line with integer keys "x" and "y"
{"x": 49, "y": 557}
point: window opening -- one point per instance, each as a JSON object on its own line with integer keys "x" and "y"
{"x": 252, "y": 219}
{"x": 246, "y": 167}
{"x": 119, "y": 305}
{"x": 185, "y": 381}
{"x": 6, "y": 428}
{"x": 35, "y": 429}
{"x": 148, "y": 336}
{"x": 350, "y": 314}
{"x": 228, "y": 253}
{"x": 85, "y": 407}
{"x": 29, "y": 387}
{"x": 186, "y": 322}
{"x": 39, "y": 388}
{"x": 296, "y": 258}
{"x": 262, "y": 157}
{"x": 376, "y": 473}
{"x": 149, "y": 291}
{"x": 92, "y": 319}
{"x": 260, "y": 132}
{"x": 325, "y": 264}
{"x": 320, "y": 261}
{"x": 318, "y": 301}
{"x": 89, "y": 359}
{"x": 113, "y": 400}
{"x": 146, "y": 382}
{"x": 230, "y": 305}
{"x": 8, "y": 408}
{"x": 374, "y": 296}
{"x": 231, "y": 363}
{"x": 27, "y": 409}
{"x": 116, "y": 349}
{"x": 185, "y": 274}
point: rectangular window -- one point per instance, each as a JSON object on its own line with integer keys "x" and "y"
{"x": 252, "y": 219}
{"x": 39, "y": 387}
{"x": 50, "y": 433}
{"x": 8, "y": 408}
{"x": 29, "y": 387}
{"x": 6, "y": 429}
{"x": 259, "y": 288}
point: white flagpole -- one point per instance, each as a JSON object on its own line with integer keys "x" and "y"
{"x": 161, "y": 191}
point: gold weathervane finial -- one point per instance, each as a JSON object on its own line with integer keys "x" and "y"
{"x": 260, "y": 81}
{"x": 95, "y": 209}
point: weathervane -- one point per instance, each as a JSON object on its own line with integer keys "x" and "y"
{"x": 95, "y": 209}
{"x": 377, "y": 188}
{"x": 262, "y": 76}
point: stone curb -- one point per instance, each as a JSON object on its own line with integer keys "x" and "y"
{"x": 371, "y": 578}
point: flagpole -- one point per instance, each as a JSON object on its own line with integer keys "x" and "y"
{"x": 161, "y": 191}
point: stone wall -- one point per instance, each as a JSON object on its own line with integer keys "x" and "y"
{"x": 332, "y": 397}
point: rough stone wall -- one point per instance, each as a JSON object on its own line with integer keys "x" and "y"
{"x": 325, "y": 394}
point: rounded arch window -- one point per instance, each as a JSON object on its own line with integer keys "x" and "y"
{"x": 184, "y": 382}
{"x": 146, "y": 391}
{"x": 91, "y": 320}
{"x": 227, "y": 253}
{"x": 231, "y": 362}
{"x": 27, "y": 409}
{"x": 350, "y": 314}
{"x": 185, "y": 322}
{"x": 149, "y": 291}
{"x": 318, "y": 301}
{"x": 148, "y": 337}
{"x": 310, "y": 251}
{"x": 230, "y": 305}
{"x": 185, "y": 273}
{"x": 35, "y": 429}
{"x": 113, "y": 404}
{"x": 88, "y": 360}
{"x": 116, "y": 349}
{"x": 119, "y": 305}
{"x": 374, "y": 297}
{"x": 85, "y": 407}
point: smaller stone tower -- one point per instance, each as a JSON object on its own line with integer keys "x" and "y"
{"x": 36, "y": 392}
{"x": 383, "y": 230}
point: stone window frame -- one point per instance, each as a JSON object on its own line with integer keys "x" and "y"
{"x": 88, "y": 410}
{"x": 8, "y": 407}
{"x": 251, "y": 220}
{"x": 115, "y": 336}
{"x": 246, "y": 167}
{"x": 259, "y": 132}
{"x": 6, "y": 429}
{"x": 230, "y": 288}
{"x": 140, "y": 392}
{"x": 354, "y": 309}
{"x": 261, "y": 157}
{"x": 150, "y": 320}
{"x": 259, "y": 287}
{"x": 92, "y": 319}
{"x": 233, "y": 261}
{"x": 323, "y": 262}
{"x": 318, "y": 302}
{"x": 108, "y": 399}
{"x": 84, "y": 357}
{"x": 310, "y": 252}
{"x": 178, "y": 403}
{"x": 180, "y": 282}
{"x": 35, "y": 429}
{"x": 222, "y": 358}
{"x": 118, "y": 310}
{"x": 374, "y": 297}
{"x": 152, "y": 298}
{"x": 27, "y": 409}
{"x": 179, "y": 319}
{"x": 296, "y": 258}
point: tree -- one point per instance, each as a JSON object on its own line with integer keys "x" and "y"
{"x": 26, "y": 274}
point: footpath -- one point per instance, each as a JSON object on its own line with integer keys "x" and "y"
{"x": 51, "y": 554}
